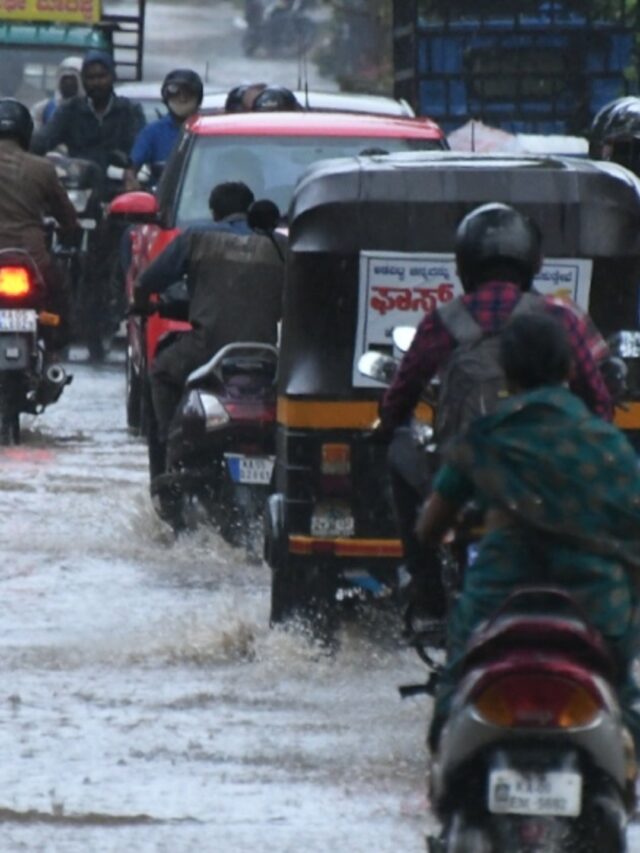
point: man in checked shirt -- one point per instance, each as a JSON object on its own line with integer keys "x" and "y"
{"x": 498, "y": 253}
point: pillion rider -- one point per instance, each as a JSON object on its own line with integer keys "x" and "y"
{"x": 235, "y": 279}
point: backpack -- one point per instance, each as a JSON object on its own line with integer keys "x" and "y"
{"x": 472, "y": 382}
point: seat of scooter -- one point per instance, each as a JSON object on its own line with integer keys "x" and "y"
{"x": 553, "y": 623}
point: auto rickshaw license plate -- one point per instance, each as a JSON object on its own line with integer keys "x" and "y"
{"x": 252, "y": 470}
{"x": 552, "y": 793}
{"x": 331, "y": 519}
{"x": 18, "y": 321}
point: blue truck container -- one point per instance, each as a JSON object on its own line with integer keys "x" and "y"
{"x": 522, "y": 65}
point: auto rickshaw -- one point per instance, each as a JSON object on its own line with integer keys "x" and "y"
{"x": 370, "y": 249}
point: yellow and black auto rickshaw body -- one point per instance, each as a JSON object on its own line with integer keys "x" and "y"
{"x": 330, "y": 523}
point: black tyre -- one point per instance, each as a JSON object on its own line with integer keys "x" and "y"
{"x": 594, "y": 832}
{"x": 304, "y": 592}
{"x": 240, "y": 515}
{"x": 146, "y": 406}
{"x": 134, "y": 396}
{"x": 10, "y": 399}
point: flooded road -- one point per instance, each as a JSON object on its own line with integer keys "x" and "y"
{"x": 145, "y": 705}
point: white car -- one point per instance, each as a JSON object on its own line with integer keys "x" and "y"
{"x": 341, "y": 102}
{"x": 148, "y": 96}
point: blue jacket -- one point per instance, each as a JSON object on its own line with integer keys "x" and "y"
{"x": 155, "y": 142}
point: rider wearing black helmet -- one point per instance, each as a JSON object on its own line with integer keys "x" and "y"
{"x": 276, "y": 99}
{"x": 600, "y": 122}
{"x": 30, "y": 191}
{"x": 182, "y": 92}
{"x": 615, "y": 133}
{"x": 234, "y": 102}
{"x": 498, "y": 253}
{"x": 241, "y": 98}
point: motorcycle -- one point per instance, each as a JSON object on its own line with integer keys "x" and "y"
{"x": 221, "y": 442}
{"x": 534, "y": 755}
{"x": 97, "y": 310}
{"x": 281, "y": 28}
{"x": 28, "y": 381}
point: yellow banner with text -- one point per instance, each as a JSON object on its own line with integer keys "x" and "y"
{"x": 58, "y": 11}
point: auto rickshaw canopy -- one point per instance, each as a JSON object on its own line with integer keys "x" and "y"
{"x": 413, "y": 203}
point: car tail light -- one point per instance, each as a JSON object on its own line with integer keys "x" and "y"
{"x": 539, "y": 701}
{"x": 335, "y": 469}
{"x": 15, "y": 282}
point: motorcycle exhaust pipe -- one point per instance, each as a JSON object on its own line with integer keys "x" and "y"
{"x": 52, "y": 385}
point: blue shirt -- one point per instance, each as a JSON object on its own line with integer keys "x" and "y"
{"x": 155, "y": 142}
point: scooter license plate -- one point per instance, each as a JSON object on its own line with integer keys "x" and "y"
{"x": 252, "y": 470}
{"x": 553, "y": 793}
{"x": 18, "y": 321}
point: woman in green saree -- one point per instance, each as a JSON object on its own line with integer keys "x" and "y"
{"x": 561, "y": 490}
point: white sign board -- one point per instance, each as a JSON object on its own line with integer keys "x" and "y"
{"x": 398, "y": 289}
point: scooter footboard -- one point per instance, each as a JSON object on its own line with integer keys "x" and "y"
{"x": 532, "y": 798}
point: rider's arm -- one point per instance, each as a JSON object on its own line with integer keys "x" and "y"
{"x": 142, "y": 151}
{"x": 430, "y": 347}
{"x": 170, "y": 266}
{"x": 54, "y": 133}
{"x": 451, "y": 490}
{"x": 134, "y": 127}
{"x": 586, "y": 381}
{"x": 59, "y": 206}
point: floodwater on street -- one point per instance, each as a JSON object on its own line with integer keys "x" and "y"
{"x": 145, "y": 704}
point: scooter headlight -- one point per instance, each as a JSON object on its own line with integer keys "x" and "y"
{"x": 206, "y": 407}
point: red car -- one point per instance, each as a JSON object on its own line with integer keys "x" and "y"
{"x": 269, "y": 152}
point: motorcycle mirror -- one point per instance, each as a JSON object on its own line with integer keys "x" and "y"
{"x": 377, "y": 366}
{"x": 135, "y": 207}
{"x": 263, "y": 216}
{"x": 403, "y": 337}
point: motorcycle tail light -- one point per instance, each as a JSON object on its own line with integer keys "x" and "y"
{"x": 537, "y": 701}
{"x": 15, "y": 282}
{"x": 335, "y": 469}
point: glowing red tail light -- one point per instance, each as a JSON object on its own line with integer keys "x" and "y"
{"x": 15, "y": 282}
{"x": 537, "y": 701}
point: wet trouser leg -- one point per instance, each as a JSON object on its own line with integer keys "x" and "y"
{"x": 168, "y": 374}
{"x": 57, "y": 301}
{"x": 411, "y": 476}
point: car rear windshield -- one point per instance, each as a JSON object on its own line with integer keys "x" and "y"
{"x": 270, "y": 166}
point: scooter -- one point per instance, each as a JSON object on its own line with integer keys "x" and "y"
{"x": 221, "y": 444}
{"x": 534, "y": 755}
{"x": 28, "y": 381}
